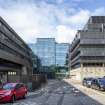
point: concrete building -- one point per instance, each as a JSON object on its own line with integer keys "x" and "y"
{"x": 15, "y": 58}
{"x": 88, "y": 50}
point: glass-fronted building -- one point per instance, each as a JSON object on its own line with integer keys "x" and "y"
{"x": 50, "y": 53}
{"x": 62, "y": 50}
{"x": 44, "y": 48}
{"x": 61, "y": 53}
{"x": 46, "y": 51}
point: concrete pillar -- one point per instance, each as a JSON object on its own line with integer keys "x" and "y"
{"x": 24, "y": 70}
{"x": 103, "y": 69}
{"x": 24, "y": 75}
{"x": 81, "y": 73}
{"x": 95, "y": 70}
{"x": 103, "y": 66}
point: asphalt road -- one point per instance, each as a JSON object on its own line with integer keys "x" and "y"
{"x": 58, "y": 93}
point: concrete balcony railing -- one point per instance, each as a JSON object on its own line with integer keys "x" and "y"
{"x": 92, "y": 54}
{"x": 92, "y": 41}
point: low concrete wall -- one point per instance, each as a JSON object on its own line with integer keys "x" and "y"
{"x": 93, "y": 71}
{"x": 38, "y": 80}
{"x": 79, "y": 73}
{"x": 76, "y": 74}
{"x": 13, "y": 78}
{"x": 33, "y": 82}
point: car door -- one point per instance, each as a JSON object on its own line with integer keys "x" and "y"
{"x": 18, "y": 91}
{"x": 93, "y": 83}
{"x": 22, "y": 89}
{"x": 96, "y": 84}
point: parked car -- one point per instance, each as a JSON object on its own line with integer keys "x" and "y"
{"x": 98, "y": 83}
{"x": 103, "y": 76}
{"x": 12, "y": 91}
{"x": 87, "y": 81}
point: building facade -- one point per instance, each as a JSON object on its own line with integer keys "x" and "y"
{"x": 15, "y": 58}
{"x": 44, "y": 48}
{"x": 61, "y": 53}
{"x": 88, "y": 50}
{"x": 46, "y": 51}
{"x": 62, "y": 50}
{"x": 36, "y": 63}
{"x": 50, "y": 53}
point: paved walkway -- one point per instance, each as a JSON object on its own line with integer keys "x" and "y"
{"x": 94, "y": 94}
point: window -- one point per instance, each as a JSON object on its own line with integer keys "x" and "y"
{"x": 17, "y": 86}
{"x": 11, "y": 73}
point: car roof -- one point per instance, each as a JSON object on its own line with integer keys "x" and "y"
{"x": 13, "y": 83}
{"x": 88, "y": 78}
{"x": 102, "y": 78}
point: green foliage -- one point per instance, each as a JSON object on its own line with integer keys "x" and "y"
{"x": 53, "y": 68}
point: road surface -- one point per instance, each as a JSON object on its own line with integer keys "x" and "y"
{"x": 58, "y": 93}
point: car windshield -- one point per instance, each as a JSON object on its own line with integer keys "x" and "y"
{"x": 102, "y": 81}
{"x": 89, "y": 79}
{"x": 8, "y": 86}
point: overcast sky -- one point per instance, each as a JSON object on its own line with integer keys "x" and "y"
{"x": 61, "y": 19}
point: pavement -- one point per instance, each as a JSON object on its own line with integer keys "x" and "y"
{"x": 58, "y": 93}
{"x": 97, "y": 95}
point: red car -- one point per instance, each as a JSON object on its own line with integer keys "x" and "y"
{"x": 12, "y": 91}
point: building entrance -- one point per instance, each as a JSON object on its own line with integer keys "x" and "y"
{"x": 3, "y": 77}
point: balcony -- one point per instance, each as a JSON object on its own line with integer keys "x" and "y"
{"x": 76, "y": 42}
{"x": 92, "y": 41}
{"x": 93, "y": 53}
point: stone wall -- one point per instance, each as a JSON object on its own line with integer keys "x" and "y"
{"x": 80, "y": 73}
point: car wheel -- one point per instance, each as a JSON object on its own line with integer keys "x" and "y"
{"x": 92, "y": 87}
{"x": 13, "y": 99}
{"x": 24, "y": 97}
{"x": 87, "y": 86}
{"x": 98, "y": 88}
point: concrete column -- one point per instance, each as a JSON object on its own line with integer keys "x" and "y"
{"x": 103, "y": 66}
{"x": 95, "y": 71}
{"x": 24, "y": 75}
{"x": 24, "y": 70}
{"x": 103, "y": 69}
{"x": 81, "y": 71}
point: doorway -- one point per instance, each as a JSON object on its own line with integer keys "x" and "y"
{"x": 3, "y": 77}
